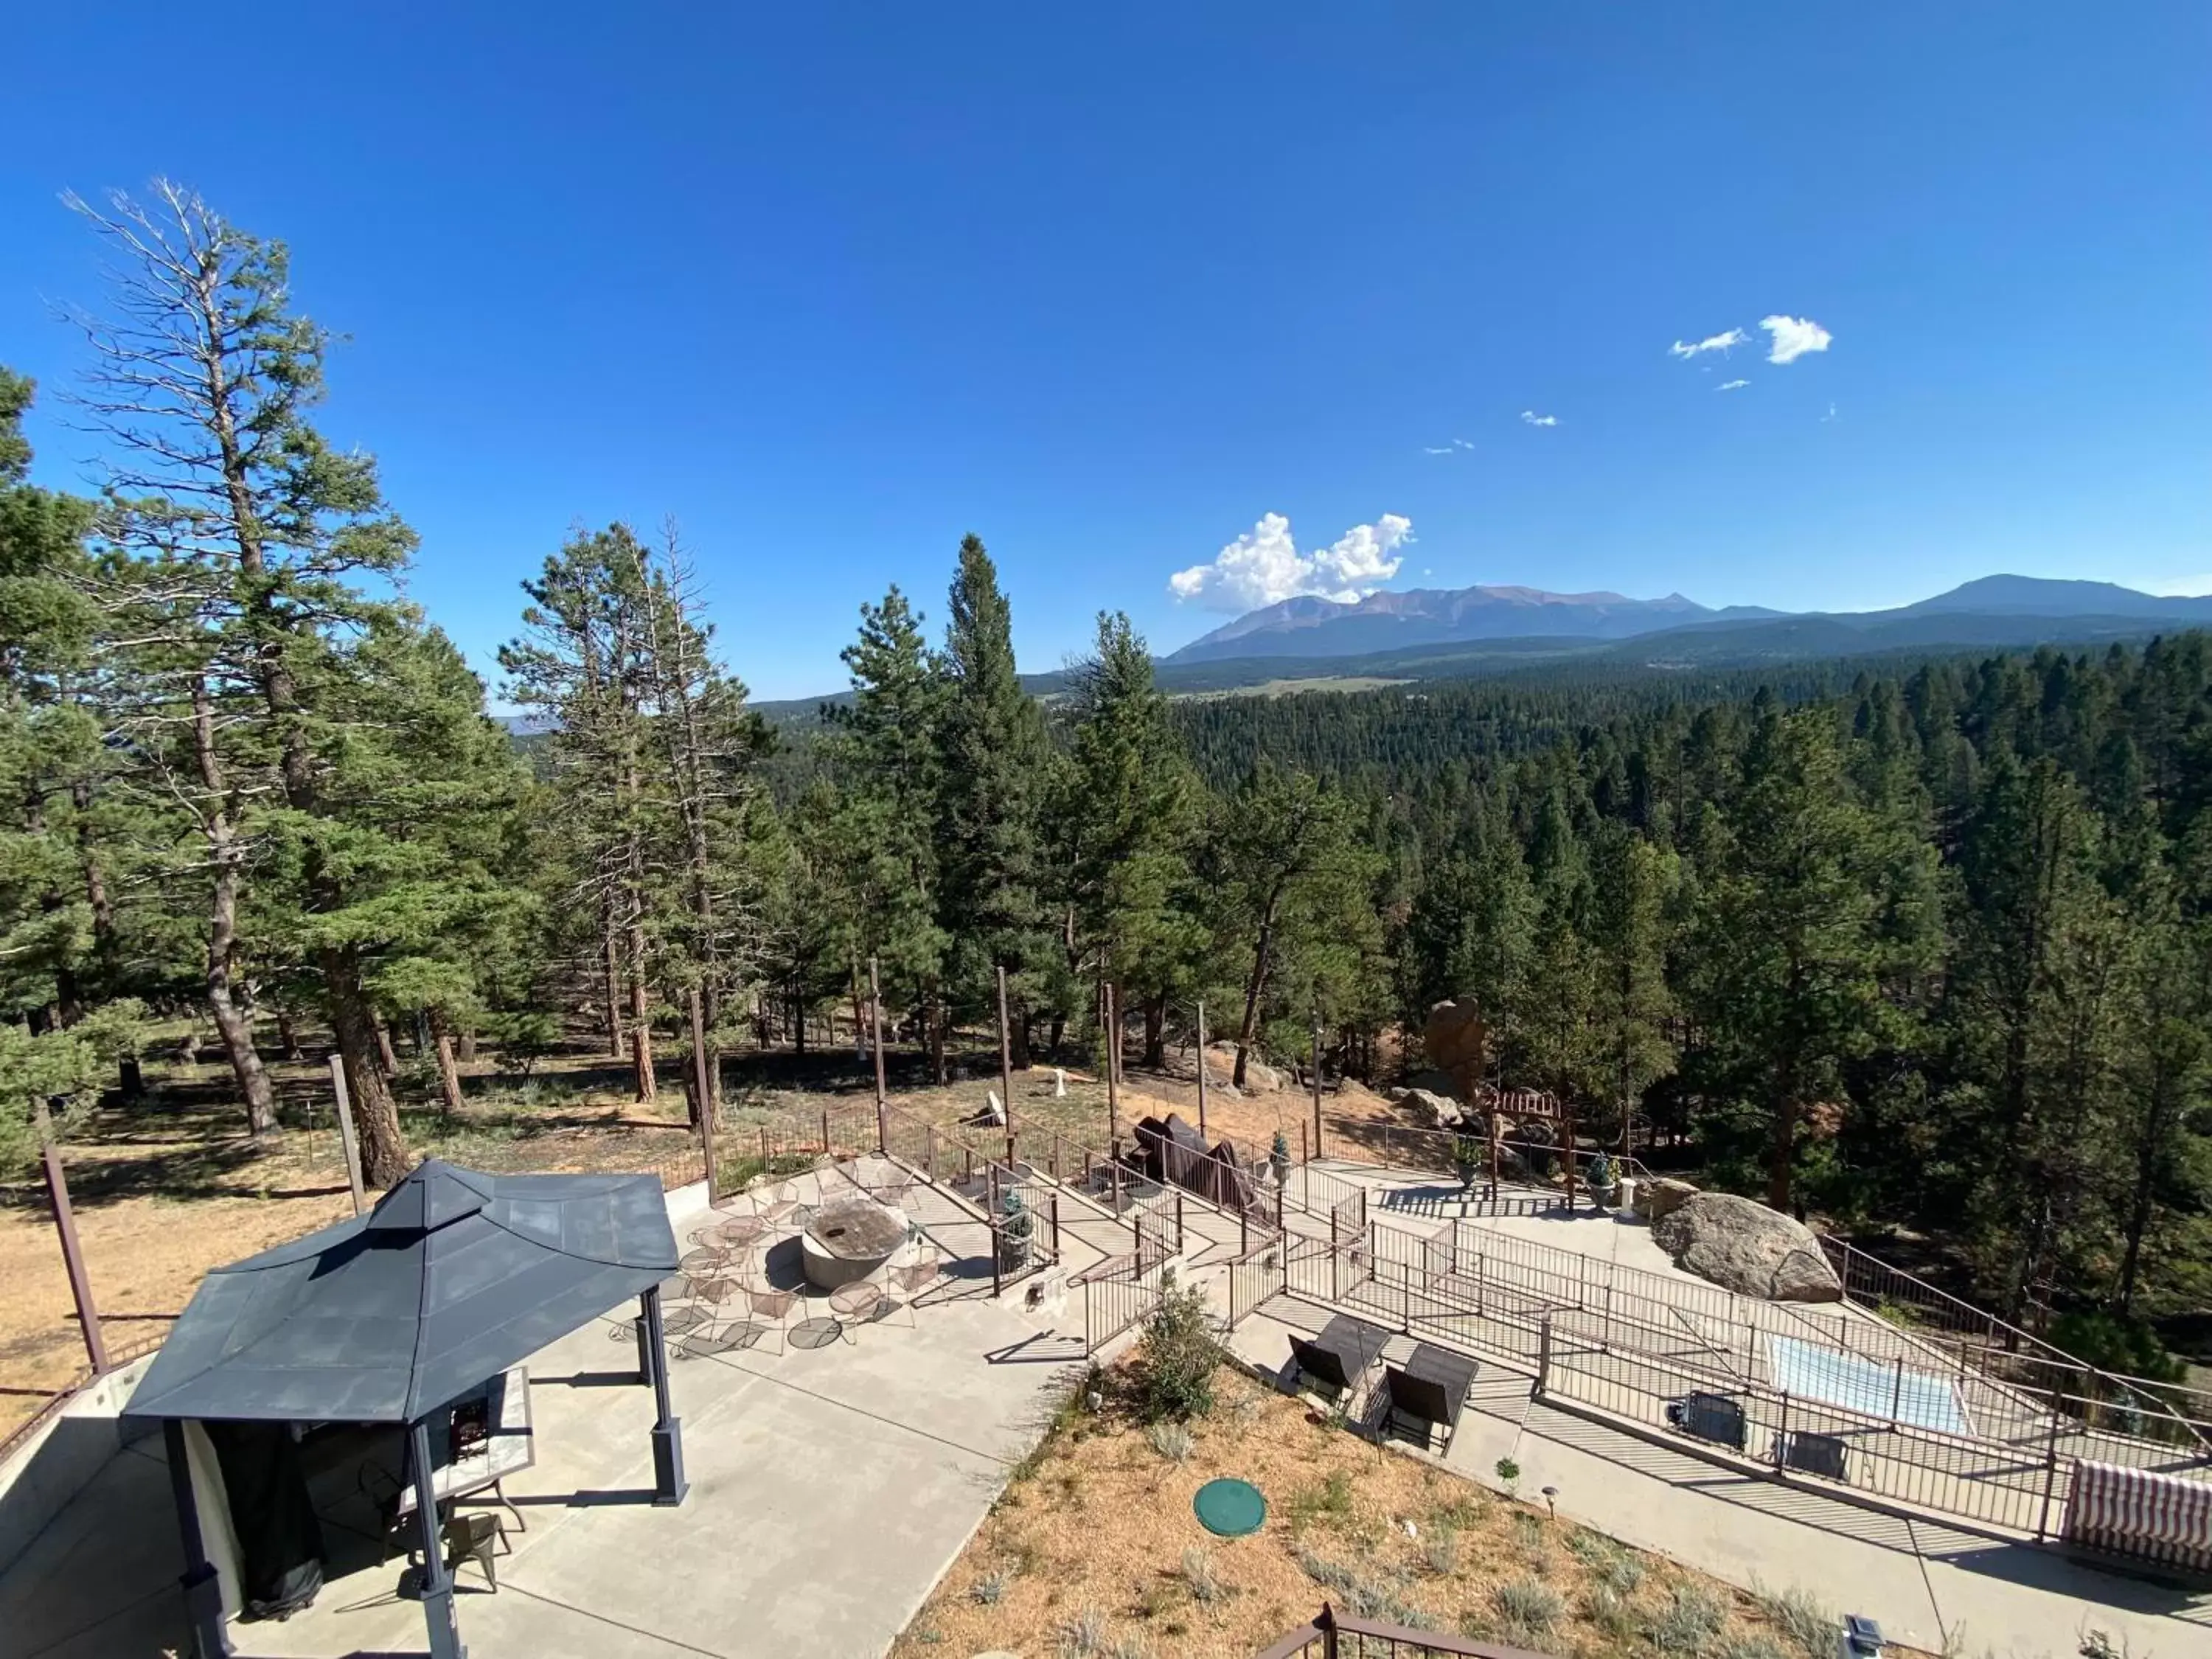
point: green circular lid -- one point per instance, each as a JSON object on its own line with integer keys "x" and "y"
{"x": 1230, "y": 1509}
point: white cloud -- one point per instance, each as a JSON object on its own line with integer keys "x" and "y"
{"x": 1263, "y": 566}
{"x": 1722, "y": 344}
{"x": 1791, "y": 337}
{"x": 1830, "y": 415}
{"x": 1534, "y": 419}
{"x": 1433, "y": 449}
{"x": 1731, "y": 386}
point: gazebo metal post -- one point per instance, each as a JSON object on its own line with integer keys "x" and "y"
{"x": 437, "y": 1592}
{"x": 202, "y": 1588}
{"x": 669, "y": 1484}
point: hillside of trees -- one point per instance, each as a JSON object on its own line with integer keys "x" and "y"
{"x": 1913, "y": 945}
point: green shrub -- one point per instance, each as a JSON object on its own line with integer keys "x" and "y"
{"x": 1175, "y": 1356}
{"x": 1528, "y": 1605}
{"x": 1171, "y": 1441}
{"x": 1692, "y": 1619}
{"x": 1805, "y": 1622}
{"x": 1205, "y": 1588}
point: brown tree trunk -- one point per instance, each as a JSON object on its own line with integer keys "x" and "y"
{"x": 384, "y": 1056}
{"x": 646, "y": 1086}
{"x": 232, "y": 1024}
{"x": 449, "y": 1075}
{"x": 933, "y": 1012}
{"x": 384, "y": 1155}
{"x": 798, "y": 1026}
{"x": 1253, "y": 986}
{"x": 286, "y": 1035}
{"x": 610, "y": 955}
{"x": 1156, "y": 1032}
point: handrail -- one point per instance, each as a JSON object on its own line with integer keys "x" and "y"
{"x": 1326, "y": 1625}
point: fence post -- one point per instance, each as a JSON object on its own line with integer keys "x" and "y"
{"x": 825, "y": 1132}
{"x": 1543, "y": 1358}
{"x": 87, "y": 1313}
{"x": 1782, "y": 1435}
{"x": 1005, "y": 1065}
{"x": 876, "y": 1024}
{"x": 346, "y": 1136}
{"x": 2050, "y": 1472}
{"x": 1179, "y": 1238}
{"x": 702, "y": 1084}
{"x": 1304, "y": 1155}
{"x": 1201, "y": 1070}
{"x": 929, "y": 1152}
{"x": 1243, "y": 1230}
{"x": 1897, "y": 1392}
{"x": 1335, "y": 1289}
{"x": 1318, "y": 1138}
{"x": 1053, "y": 1203}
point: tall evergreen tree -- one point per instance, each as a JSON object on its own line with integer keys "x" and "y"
{"x": 240, "y": 544}
{"x": 990, "y": 899}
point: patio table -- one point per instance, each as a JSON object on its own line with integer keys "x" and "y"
{"x": 510, "y": 1447}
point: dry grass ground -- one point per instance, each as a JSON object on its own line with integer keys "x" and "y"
{"x": 1094, "y": 1550}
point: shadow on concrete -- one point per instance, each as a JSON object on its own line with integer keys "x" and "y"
{"x": 593, "y": 1499}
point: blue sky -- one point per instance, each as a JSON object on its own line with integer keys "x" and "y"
{"x": 1111, "y": 285}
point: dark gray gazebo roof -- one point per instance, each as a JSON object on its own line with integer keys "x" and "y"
{"x": 453, "y": 1277}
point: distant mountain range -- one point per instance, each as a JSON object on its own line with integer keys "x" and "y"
{"x": 1429, "y": 634}
{"x": 1311, "y": 628}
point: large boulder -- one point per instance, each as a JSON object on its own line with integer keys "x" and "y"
{"x": 1662, "y": 1196}
{"x": 1436, "y": 1082}
{"x": 1431, "y": 1111}
{"x": 1260, "y": 1077}
{"x": 1455, "y": 1040}
{"x": 1746, "y": 1248}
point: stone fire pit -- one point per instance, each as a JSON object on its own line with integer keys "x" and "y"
{"x": 848, "y": 1239}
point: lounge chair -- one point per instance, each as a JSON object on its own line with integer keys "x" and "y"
{"x": 1429, "y": 1389}
{"x": 1713, "y": 1417}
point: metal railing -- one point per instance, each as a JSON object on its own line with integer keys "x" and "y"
{"x": 1374, "y": 1141}
{"x": 2009, "y": 1354}
{"x": 1897, "y": 1420}
{"x": 1333, "y": 1635}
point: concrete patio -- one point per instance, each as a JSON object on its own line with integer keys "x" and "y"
{"x": 830, "y": 1489}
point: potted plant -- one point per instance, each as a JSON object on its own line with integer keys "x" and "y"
{"x": 1017, "y": 1226}
{"x": 1602, "y": 1182}
{"x": 1466, "y": 1157}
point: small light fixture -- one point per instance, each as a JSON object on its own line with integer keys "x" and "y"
{"x": 1551, "y": 1501}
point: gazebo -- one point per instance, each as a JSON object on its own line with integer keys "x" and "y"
{"x": 393, "y": 1317}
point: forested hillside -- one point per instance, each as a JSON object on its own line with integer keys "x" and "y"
{"x": 1921, "y": 945}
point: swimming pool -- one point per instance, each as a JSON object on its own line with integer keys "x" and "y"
{"x": 1807, "y": 1370}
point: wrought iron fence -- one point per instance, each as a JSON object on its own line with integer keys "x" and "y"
{"x": 1333, "y": 1635}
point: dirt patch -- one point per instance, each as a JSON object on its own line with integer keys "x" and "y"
{"x": 1094, "y": 1549}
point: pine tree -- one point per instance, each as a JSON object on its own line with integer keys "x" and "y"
{"x": 990, "y": 904}
{"x": 1790, "y": 933}
{"x": 883, "y": 749}
{"x": 1129, "y": 803}
{"x": 240, "y": 540}
{"x": 1629, "y": 938}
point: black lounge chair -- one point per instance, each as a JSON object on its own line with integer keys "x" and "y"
{"x": 1339, "y": 1356}
{"x": 1713, "y": 1417}
{"x": 1430, "y": 1390}
{"x": 1824, "y": 1455}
